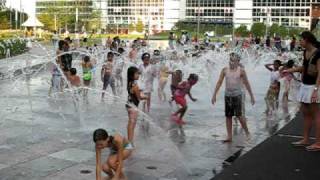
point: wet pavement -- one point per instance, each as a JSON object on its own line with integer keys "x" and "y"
{"x": 50, "y": 138}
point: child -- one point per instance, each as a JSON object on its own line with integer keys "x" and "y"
{"x": 119, "y": 151}
{"x": 119, "y": 65}
{"x": 175, "y": 80}
{"x": 74, "y": 78}
{"x": 56, "y": 79}
{"x": 107, "y": 74}
{"x": 87, "y": 73}
{"x": 183, "y": 89}
{"x": 134, "y": 97}
{"x": 163, "y": 78}
{"x": 272, "y": 97}
{"x": 148, "y": 73}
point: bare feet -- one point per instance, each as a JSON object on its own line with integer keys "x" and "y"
{"x": 314, "y": 147}
{"x": 229, "y": 140}
{"x": 301, "y": 143}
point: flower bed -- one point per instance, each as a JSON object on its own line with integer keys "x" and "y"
{"x": 12, "y": 47}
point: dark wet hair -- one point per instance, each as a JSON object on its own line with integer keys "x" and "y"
{"x": 156, "y": 52}
{"x": 193, "y": 76}
{"x": 100, "y": 134}
{"x": 277, "y": 62}
{"x": 310, "y": 38}
{"x": 73, "y": 71}
{"x": 120, "y": 50}
{"x": 290, "y": 63}
{"x": 144, "y": 55}
{"x": 110, "y": 54}
{"x": 130, "y": 76}
{"x": 65, "y": 69}
{"x": 68, "y": 39}
{"x": 60, "y": 44}
{"x": 86, "y": 59}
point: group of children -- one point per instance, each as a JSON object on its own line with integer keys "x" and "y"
{"x": 139, "y": 87}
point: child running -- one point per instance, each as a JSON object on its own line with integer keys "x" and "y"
{"x": 119, "y": 151}
{"x": 183, "y": 89}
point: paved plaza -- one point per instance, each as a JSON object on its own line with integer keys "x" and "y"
{"x": 50, "y": 138}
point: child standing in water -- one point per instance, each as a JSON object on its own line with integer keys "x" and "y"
{"x": 87, "y": 74}
{"x": 74, "y": 78}
{"x": 119, "y": 151}
{"x": 148, "y": 73}
{"x": 272, "y": 97}
{"x": 163, "y": 79}
{"x": 235, "y": 76}
{"x": 107, "y": 74}
{"x": 134, "y": 97}
{"x": 182, "y": 90}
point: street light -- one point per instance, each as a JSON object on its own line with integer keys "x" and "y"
{"x": 198, "y": 23}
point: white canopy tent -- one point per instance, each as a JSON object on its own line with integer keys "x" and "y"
{"x": 32, "y": 21}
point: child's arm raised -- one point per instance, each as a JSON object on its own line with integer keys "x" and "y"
{"x": 98, "y": 164}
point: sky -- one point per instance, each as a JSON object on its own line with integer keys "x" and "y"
{"x": 28, "y": 6}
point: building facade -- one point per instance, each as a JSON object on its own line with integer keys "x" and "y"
{"x": 209, "y": 10}
{"x": 81, "y": 9}
{"x": 158, "y": 15}
{"x": 125, "y": 12}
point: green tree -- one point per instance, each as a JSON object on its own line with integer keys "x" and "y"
{"x": 294, "y": 32}
{"x": 258, "y": 29}
{"x": 283, "y": 31}
{"x": 132, "y": 27}
{"x": 274, "y": 29}
{"x": 140, "y": 26}
{"x": 94, "y": 21}
{"x": 242, "y": 30}
{"x": 46, "y": 19}
{"x": 4, "y": 21}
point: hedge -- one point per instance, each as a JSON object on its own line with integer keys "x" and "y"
{"x": 16, "y": 46}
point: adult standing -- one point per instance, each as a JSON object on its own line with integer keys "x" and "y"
{"x": 308, "y": 94}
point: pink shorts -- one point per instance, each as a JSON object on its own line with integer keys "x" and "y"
{"x": 180, "y": 100}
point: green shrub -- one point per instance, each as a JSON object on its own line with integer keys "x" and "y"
{"x": 16, "y": 47}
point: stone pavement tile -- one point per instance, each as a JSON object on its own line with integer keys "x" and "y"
{"x": 195, "y": 146}
{"x": 46, "y": 165}
{"x": 2, "y": 166}
{"x": 204, "y": 163}
{"x": 151, "y": 168}
{"x": 221, "y": 152}
{"x": 15, "y": 156}
{"x": 140, "y": 176}
{"x": 73, "y": 154}
{"x": 18, "y": 173}
{"x": 77, "y": 172}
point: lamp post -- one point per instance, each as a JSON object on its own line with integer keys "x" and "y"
{"x": 198, "y": 21}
